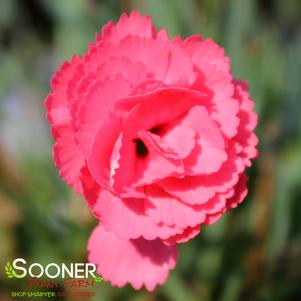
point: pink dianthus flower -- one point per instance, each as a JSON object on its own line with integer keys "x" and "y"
{"x": 156, "y": 134}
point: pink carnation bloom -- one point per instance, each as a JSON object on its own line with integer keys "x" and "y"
{"x": 156, "y": 134}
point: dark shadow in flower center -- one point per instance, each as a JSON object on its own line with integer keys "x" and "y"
{"x": 155, "y": 130}
{"x": 141, "y": 149}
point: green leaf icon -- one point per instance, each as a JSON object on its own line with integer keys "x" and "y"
{"x": 10, "y": 273}
{"x": 97, "y": 278}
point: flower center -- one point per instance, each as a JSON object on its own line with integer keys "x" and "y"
{"x": 155, "y": 130}
{"x": 141, "y": 149}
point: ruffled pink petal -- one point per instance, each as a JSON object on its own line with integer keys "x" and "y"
{"x": 138, "y": 262}
{"x": 189, "y": 233}
{"x": 173, "y": 137}
{"x": 209, "y": 152}
{"x": 99, "y": 157}
{"x": 199, "y": 189}
{"x": 241, "y": 192}
{"x": 99, "y": 103}
{"x": 204, "y": 159}
{"x": 132, "y": 25}
{"x": 216, "y": 204}
{"x": 67, "y": 156}
{"x": 209, "y": 59}
{"x": 164, "y": 60}
{"x": 58, "y": 116}
{"x": 77, "y": 86}
{"x": 133, "y": 72}
{"x": 245, "y": 137}
{"x": 162, "y": 207}
{"x": 205, "y": 53}
{"x": 59, "y": 85}
{"x": 163, "y": 35}
{"x": 154, "y": 108}
{"x": 91, "y": 189}
{"x": 180, "y": 69}
{"x": 78, "y": 96}
{"x": 220, "y": 204}
{"x": 153, "y": 54}
{"x": 127, "y": 219}
{"x": 213, "y": 218}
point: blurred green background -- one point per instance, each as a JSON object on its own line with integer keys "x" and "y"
{"x": 252, "y": 253}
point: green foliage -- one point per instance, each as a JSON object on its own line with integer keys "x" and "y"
{"x": 253, "y": 252}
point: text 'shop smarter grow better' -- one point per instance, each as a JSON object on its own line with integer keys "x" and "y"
{"x": 156, "y": 134}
